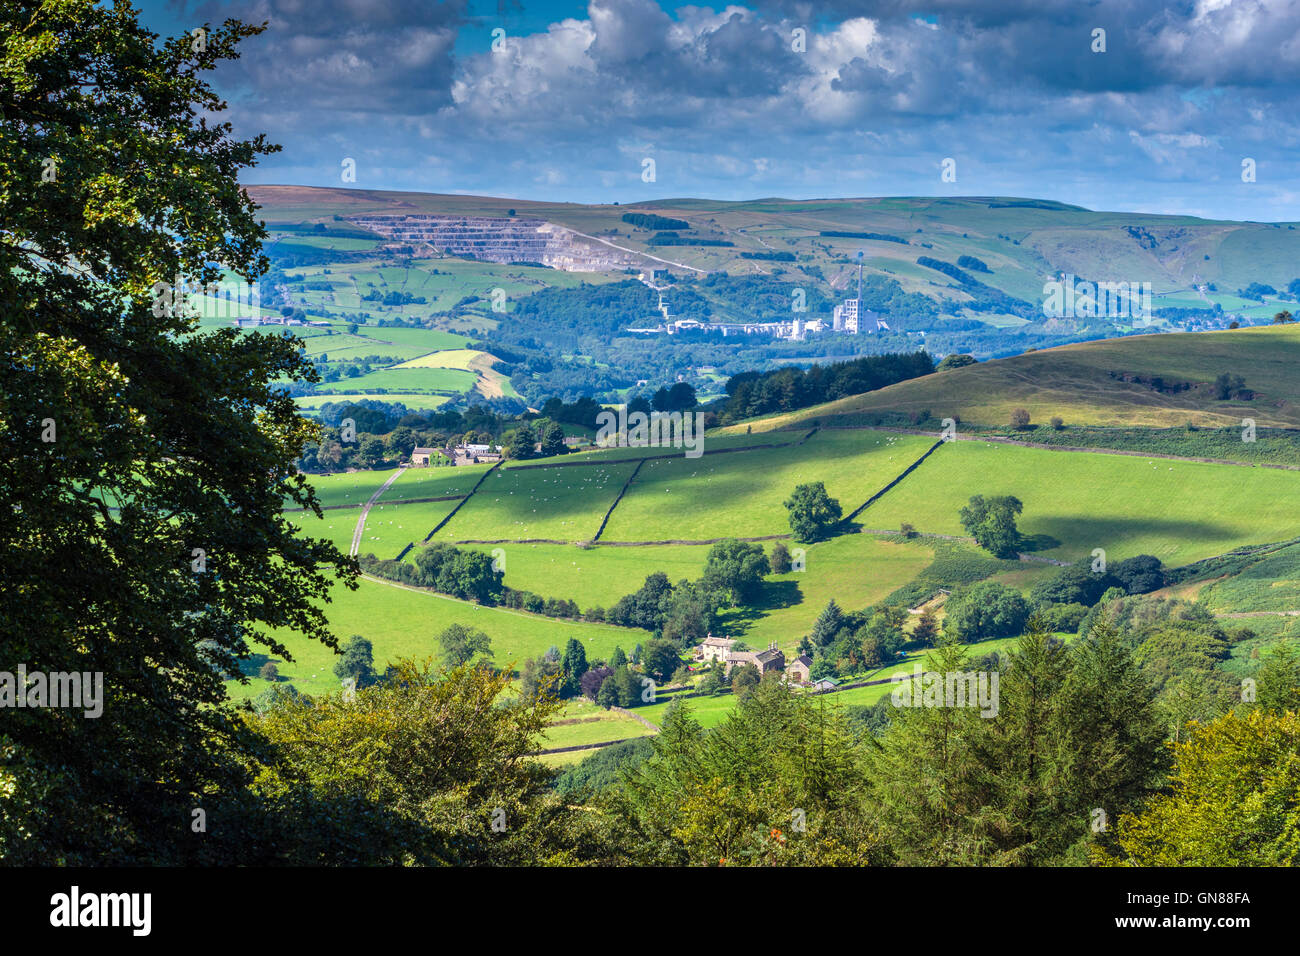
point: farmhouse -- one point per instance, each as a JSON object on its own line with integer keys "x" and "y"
{"x": 799, "y": 670}
{"x": 768, "y": 660}
{"x": 422, "y": 456}
{"x": 714, "y": 648}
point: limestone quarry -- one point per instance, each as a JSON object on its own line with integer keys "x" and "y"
{"x": 503, "y": 240}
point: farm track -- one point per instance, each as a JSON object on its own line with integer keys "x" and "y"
{"x": 361, "y": 520}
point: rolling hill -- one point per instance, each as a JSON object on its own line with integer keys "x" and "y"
{"x": 1097, "y": 383}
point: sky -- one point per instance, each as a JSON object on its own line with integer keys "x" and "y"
{"x": 1182, "y": 108}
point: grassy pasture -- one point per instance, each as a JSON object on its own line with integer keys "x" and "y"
{"x": 406, "y": 623}
{"x": 406, "y": 380}
{"x": 596, "y": 576}
{"x": 415, "y": 402}
{"x": 563, "y": 504}
{"x": 1179, "y": 511}
{"x": 391, "y": 528}
{"x": 856, "y": 570}
{"x": 348, "y": 488}
{"x": 434, "y": 482}
{"x": 741, "y": 494}
{"x": 448, "y": 358}
{"x": 1074, "y": 382}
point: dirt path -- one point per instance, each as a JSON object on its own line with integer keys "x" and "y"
{"x": 667, "y": 262}
{"x": 365, "y": 510}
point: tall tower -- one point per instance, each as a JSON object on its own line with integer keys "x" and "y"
{"x": 859, "y": 280}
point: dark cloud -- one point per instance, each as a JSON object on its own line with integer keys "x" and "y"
{"x": 1012, "y": 90}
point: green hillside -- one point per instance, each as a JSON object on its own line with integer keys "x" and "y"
{"x": 1084, "y": 384}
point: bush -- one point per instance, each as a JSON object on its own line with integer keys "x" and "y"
{"x": 1019, "y": 418}
{"x": 985, "y": 611}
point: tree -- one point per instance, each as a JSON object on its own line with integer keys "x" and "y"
{"x": 460, "y": 644}
{"x": 1278, "y": 681}
{"x": 744, "y": 678}
{"x": 607, "y": 696}
{"x": 661, "y": 659}
{"x": 521, "y": 443}
{"x": 139, "y": 406}
{"x": 415, "y": 772}
{"x": 780, "y": 559}
{"x": 737, "y": 569}
{"x": 1057, "y": 423}
{"x": 574, "y": 665}
{"x": 594, "y": 680}
{"x": 618, "y": 658}
{"x": 1019, "y": 418}
{"x": 984, "y": 611}
{"x": 827, "y": 625}
{"x": 955, "y": 361}
{"x": 551, "y": 436}
{"x": 926, "y": 629}
{"x": 357, "y": 662}
{"x": 372, "y": 452}
{"x": 1231, "y": 800}
{"x": 539, "y": 678}
{"x": 813, "y": 513}
{"x": 1284, "y": 317}
{"x": 269, "y": 671}
{"x": 1139, "y": 574}
{"x": 992, "y": 523}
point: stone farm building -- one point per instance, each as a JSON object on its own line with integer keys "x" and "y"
{"x": 799, "y": 669}
{"x": 714, "y": 648}
{"x": 422, "y": 456}
{"x": 768, "y": 660}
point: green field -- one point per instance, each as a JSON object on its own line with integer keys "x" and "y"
{"x": 596, "y": 576}
{"x": 414, "y": 402}
{"x": 418, "y": 482}
{"x": 406, "y": 623}
{"x": 562, "y": 503}
{"x": 1075, "y": 383}
{"x": 406, "y": 380}
{"x": 1180, "y": 511}
{"x": 390, "y": 528}
{"x": 740, "y": 494}
{"x": 349, "y": 488}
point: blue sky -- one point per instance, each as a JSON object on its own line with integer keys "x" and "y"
{"x": 730, "y": 105}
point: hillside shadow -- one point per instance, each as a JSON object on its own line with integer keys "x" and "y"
{"x": 775, "y": 596}
{"x": 1037, "y": 542}
{"x": 1103, "y": 532}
